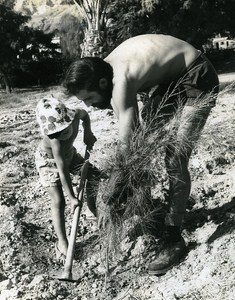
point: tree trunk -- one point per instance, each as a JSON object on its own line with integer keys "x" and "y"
{"x": 93, "y": 43}
{"x": 6, "y": 81}
{"x": 94, "y": 12}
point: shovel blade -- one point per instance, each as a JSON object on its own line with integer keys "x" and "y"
{"x": 67, "y": 276}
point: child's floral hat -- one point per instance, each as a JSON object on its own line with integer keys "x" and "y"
{"x": 53, "y": 116}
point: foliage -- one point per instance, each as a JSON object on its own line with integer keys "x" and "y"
{"x": 10, "y": 33}
{"x": 20, "y": 44}
{"x": 8, "y": 3}
{"x": 94, "y": 14}
{"x": 71, "y": 35}
{"x": 223, "y": 61}
{"x": 65, "y": 22}
{"x": 126, "y": 19}
{"x": 192, "y": 20}
{"x": 195, "y": 21}
{"x": 36, "y": 45}
{"x": 46, "y": 71}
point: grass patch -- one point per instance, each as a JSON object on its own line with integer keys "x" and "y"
{"x": 12, "y": 100}
{"x": 227, "y": 87}
{"x": 29, "y": 96}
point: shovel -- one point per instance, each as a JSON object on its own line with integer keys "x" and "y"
{"x": 67, "y": 272}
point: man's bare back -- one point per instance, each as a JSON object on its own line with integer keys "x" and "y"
{"x": 149, "y": 60}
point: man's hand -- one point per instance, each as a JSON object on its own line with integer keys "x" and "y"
{"x": 102, "y": 220}
{"x": 103, "y": 215}
{"x": 75, "y": 203}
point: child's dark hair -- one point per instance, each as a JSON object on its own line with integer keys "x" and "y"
{"x": 85, "y": 73}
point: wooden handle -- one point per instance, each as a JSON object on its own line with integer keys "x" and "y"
{"x": 67, "y": 274}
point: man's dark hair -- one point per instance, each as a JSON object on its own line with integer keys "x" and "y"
{"x": 85, "y": 73}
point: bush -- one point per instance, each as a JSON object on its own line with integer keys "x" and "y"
{"x": 223, "y": 60}
{"x": 48, "y": 71}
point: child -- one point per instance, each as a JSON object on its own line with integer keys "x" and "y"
{"x": 56, "y": 158}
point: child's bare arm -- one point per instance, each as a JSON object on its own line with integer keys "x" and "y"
{"x": 89, "y": 138}
{"x": 63, "y": 169}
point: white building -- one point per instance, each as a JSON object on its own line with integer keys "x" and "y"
{"x": 221, "y": 43}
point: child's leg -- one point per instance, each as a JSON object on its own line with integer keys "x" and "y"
{"x": 50, "y": 179}
{"x": 58, "y": 219}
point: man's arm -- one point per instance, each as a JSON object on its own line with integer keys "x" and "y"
{"x": 125, "y": 106}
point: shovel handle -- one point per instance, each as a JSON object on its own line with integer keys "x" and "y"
{"x": 87, "y": 153}
{"x": 67, "y": 273}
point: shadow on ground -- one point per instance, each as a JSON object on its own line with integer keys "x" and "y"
{"x": 224, "y": 216}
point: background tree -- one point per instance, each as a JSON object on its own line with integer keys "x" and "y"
{"x": 127, "y": 18}
{"x": 195, "y": 21}
{"x": 61, "y": 19}
{"x": 8, "y": 3}
{"x": 80, "y": 24}
{"x": 20, "y": 44}
{"x": 94, "y": 14}
{"x": 100, "y": 25}
{"x": 10, "y": 32}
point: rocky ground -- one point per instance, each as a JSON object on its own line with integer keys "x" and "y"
{"x": 28, "y": 268}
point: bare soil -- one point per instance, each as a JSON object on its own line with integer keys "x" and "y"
{"x": 28, "y": 268}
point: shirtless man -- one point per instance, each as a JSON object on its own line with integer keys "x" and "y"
{"x": 140, "y": 64}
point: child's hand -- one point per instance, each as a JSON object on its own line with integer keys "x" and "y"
{"x": 75, "y": 203}
{"x": 89, "y": 139}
